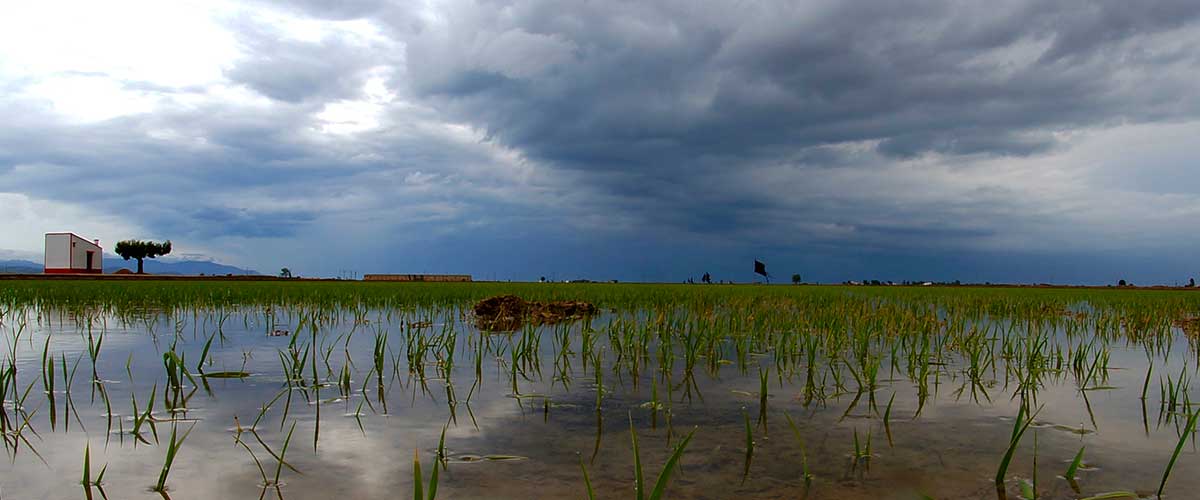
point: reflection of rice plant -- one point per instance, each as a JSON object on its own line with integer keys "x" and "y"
{"x": 762, "y": 396}
{"x": 887, "y": 419}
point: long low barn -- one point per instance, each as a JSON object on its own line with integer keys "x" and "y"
{"x": 416, "y": 277}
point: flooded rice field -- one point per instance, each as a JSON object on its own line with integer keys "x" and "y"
{"x": 353, "y": 390}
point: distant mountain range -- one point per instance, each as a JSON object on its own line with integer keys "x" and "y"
{"x": 151, "y": 266}
{"x": 19, "y": 267}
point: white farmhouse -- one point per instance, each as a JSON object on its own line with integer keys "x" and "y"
{"x": 70, "y": 253}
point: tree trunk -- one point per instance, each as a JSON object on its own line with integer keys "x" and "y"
{"x": 139, "y": 266}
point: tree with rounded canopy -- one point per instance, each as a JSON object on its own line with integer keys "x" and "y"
{"x": 140, "y": 250}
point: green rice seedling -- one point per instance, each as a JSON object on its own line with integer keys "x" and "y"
{"x": 638, "y": 483}
{"x": 664, "y": 476}
{"x": 173, "y": 446}
{"x": 229, "y": 374}
{"x": 803, "y": 454}
{"x": 1073, "y": 468}
{"x": 7, "y": 383}
{"x": 858, "y": 454}
{"x": 316, "y": 384}
{"x": 204, "y": 353}
{"x": 94, "y": 344}
{"x": 862, "y": 452}
{"x": 280, "y": 461}
{"x": 418, "y": 486}
{"x": 142, "y": 417}
{"x": 418, "y": 480}
{"x": 749, "y": 447}
{"x": 1020, "y": 425}
{"x": 439, "y": 463}
{"x": 87, "y": 480}
{"x": 1029, "y": 489}
{"x": 344, "y": 380}
{"x": 282, "y": 452}
{"x": 48, "y": 382}
{"x": 261, "y": 472}
{"x": 1112, "y": 495}
{"x": 68, "y": 381}
{"x": 177, "y": 372}
{"x": 599, "y": 434}
{"x": 266, "y": 407}
{"x": 1183, "y": 438}
{"x": 820, "y": 339}
{"x": 587, "y": 482}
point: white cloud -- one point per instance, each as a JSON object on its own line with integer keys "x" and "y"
{"x": 27, "y": 220}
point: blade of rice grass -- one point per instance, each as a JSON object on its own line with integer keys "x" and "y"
{"x": 1020, "y": 425}
{"x": 1113, "y": 495}
{"x": 660, "y": 485}
{"x": 587, "y": 482}
{"x": 1070, "y": 474}
{"x": 1183, "y": 438}
{"x": 173, "y": 446}
{"x": 803, "y": 453}
{"x": 418, "y": 488}
{"x": 749, "y": 447}
{"x": 638, "y": 483}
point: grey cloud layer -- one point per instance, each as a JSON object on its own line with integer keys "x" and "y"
{"x": 608, "y": 84}
{"x": 675, "y": 95}
{"x": 772, "y": 124}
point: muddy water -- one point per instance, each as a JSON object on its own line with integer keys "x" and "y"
{"x": 536, "y": 442}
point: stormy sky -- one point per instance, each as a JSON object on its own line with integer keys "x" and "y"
{"x": 1016, "y": 141}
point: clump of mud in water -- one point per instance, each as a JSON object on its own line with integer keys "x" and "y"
{"x": 509, "y": 312}
{"x": 1190, "y": 325}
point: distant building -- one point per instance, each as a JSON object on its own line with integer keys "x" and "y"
{"x": 416, "y": 277}
{"x": 71, "y": 253}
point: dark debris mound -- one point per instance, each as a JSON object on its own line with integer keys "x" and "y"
{"x": 1190, "y": 325}
{"x": 509, "y": 312}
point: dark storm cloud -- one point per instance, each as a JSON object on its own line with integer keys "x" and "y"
{"x": 670, "y": 96}
{"x": 629, "y": 129}
{"x": 657, "y": 85}
{"x": 219, "y": 221}
{"x": 965, "y": 142}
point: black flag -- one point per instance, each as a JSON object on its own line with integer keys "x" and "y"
{"x": 760, "y": 268}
